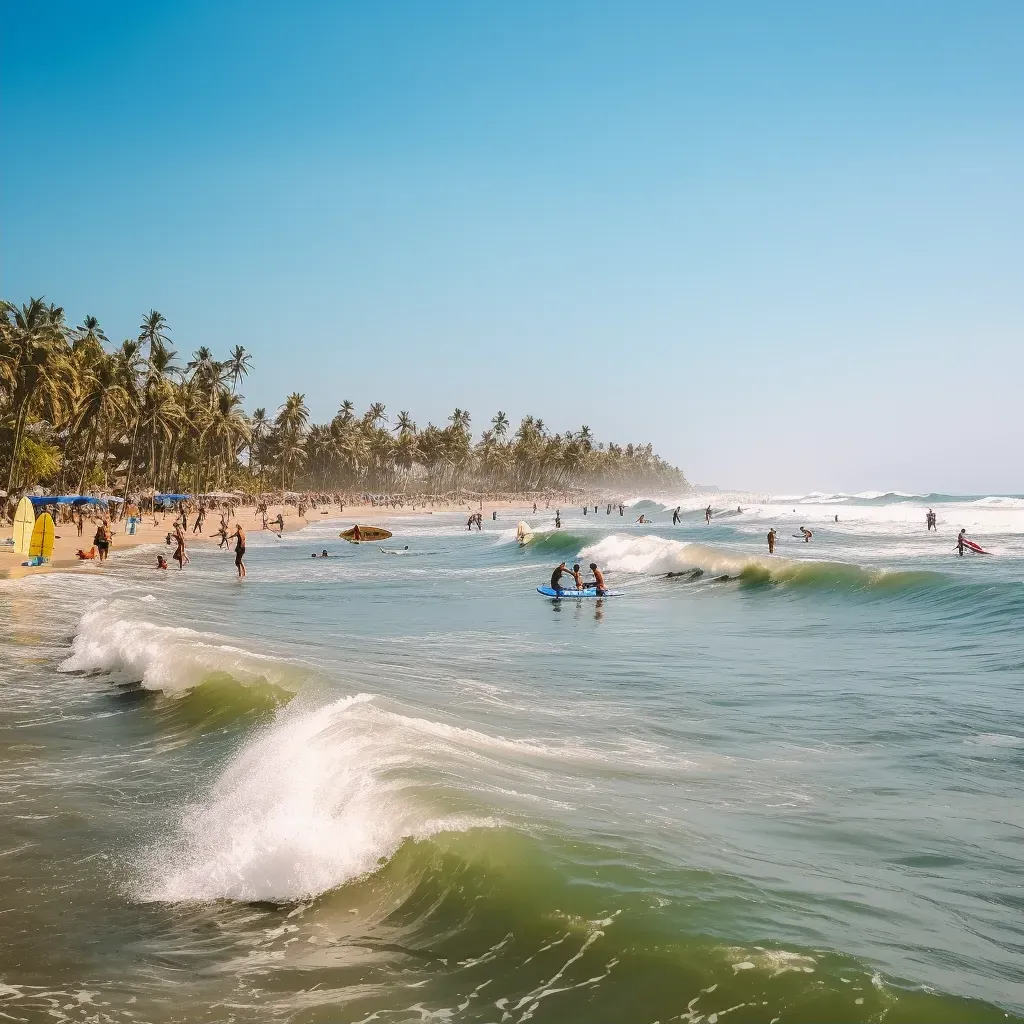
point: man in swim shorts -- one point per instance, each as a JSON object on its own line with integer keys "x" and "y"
{"x": 598, "y": 580}
{"x": 239, "y": 536}
{"x": 556, "y": 576}
{"x": 577, "y": 577}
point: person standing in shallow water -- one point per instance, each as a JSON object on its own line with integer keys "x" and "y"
{"x": 771, "y": 541}
{"x": 707, "y": 514}
{"x": 239, "y": 536}
{"x": 675, "y": 516}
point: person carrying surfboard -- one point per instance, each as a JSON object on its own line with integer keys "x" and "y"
{"x": 960, "y": 542}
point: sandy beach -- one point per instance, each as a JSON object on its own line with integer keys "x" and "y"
{"x": 68, "y": 542}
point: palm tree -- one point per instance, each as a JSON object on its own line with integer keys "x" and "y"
{"x": 404, "y": 424}
{"x": 375, "y": 414}
{"x": 500, "y": 424}
{"x": 291, "y": 421}
{"x": 153, "y": 331}
{"x": 35, "y": 355}
{"x": 237, "y": 365}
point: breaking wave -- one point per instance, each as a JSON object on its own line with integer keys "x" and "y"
{"x": 111, "y": 638}
{"x": 647, "y": 555}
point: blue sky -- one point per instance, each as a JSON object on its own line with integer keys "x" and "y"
{"x": 783, "y": 242}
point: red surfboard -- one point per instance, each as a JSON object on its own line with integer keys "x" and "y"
{"x": 975, "y": 547}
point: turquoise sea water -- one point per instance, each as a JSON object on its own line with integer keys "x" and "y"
{"x": 409, "y": 788}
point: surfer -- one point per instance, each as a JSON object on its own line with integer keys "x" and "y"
{"x": 960, "y": 537}
{"x": 930, "y": 521}
{"x": 598, "y": 580}
{"x": 356, "y": 535}
{"x": 806, "y": 534}
{"x": 707, "y": 514}
{"x": 239, "y": 536}
{"x": 621, "y": 510}
{"x": 323, "y": 554}
{"x": 675, "y": 516}
{"x": 642, "y": 520}
{"x": 558, "y": 519}
{"x": 556, "y": 576}
{"x": 771, "y": 541}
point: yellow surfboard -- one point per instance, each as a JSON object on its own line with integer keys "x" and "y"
{"x": 24, "y": 520}
{"x": 41, "y": 544}
{"x": 365, "y": 533}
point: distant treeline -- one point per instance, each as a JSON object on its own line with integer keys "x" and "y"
{"x": 79, "y": 414}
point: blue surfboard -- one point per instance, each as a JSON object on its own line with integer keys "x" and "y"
{"x": 589, "y": 592}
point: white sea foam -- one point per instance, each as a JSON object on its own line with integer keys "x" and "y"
{"x": 314, "y": 802}
{"x": 112, "y": 638}
{"x": 651, "y": 555}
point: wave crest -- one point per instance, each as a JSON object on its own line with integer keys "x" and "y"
{"x": 652, "y": 555}
{"x": 173, "y": 659}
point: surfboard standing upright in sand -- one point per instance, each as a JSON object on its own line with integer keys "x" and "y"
{"x": 41, "y": 543}
{"x": 24, "y": 523}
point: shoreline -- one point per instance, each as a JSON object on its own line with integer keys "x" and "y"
{"x": 68, "y": 542}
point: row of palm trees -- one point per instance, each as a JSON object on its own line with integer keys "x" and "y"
{"x": 79, "y": 414}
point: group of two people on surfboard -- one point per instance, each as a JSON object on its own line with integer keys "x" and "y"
{"x": 597, "y": 583}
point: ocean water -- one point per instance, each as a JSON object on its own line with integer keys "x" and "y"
{"x": 406, "y": 787}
